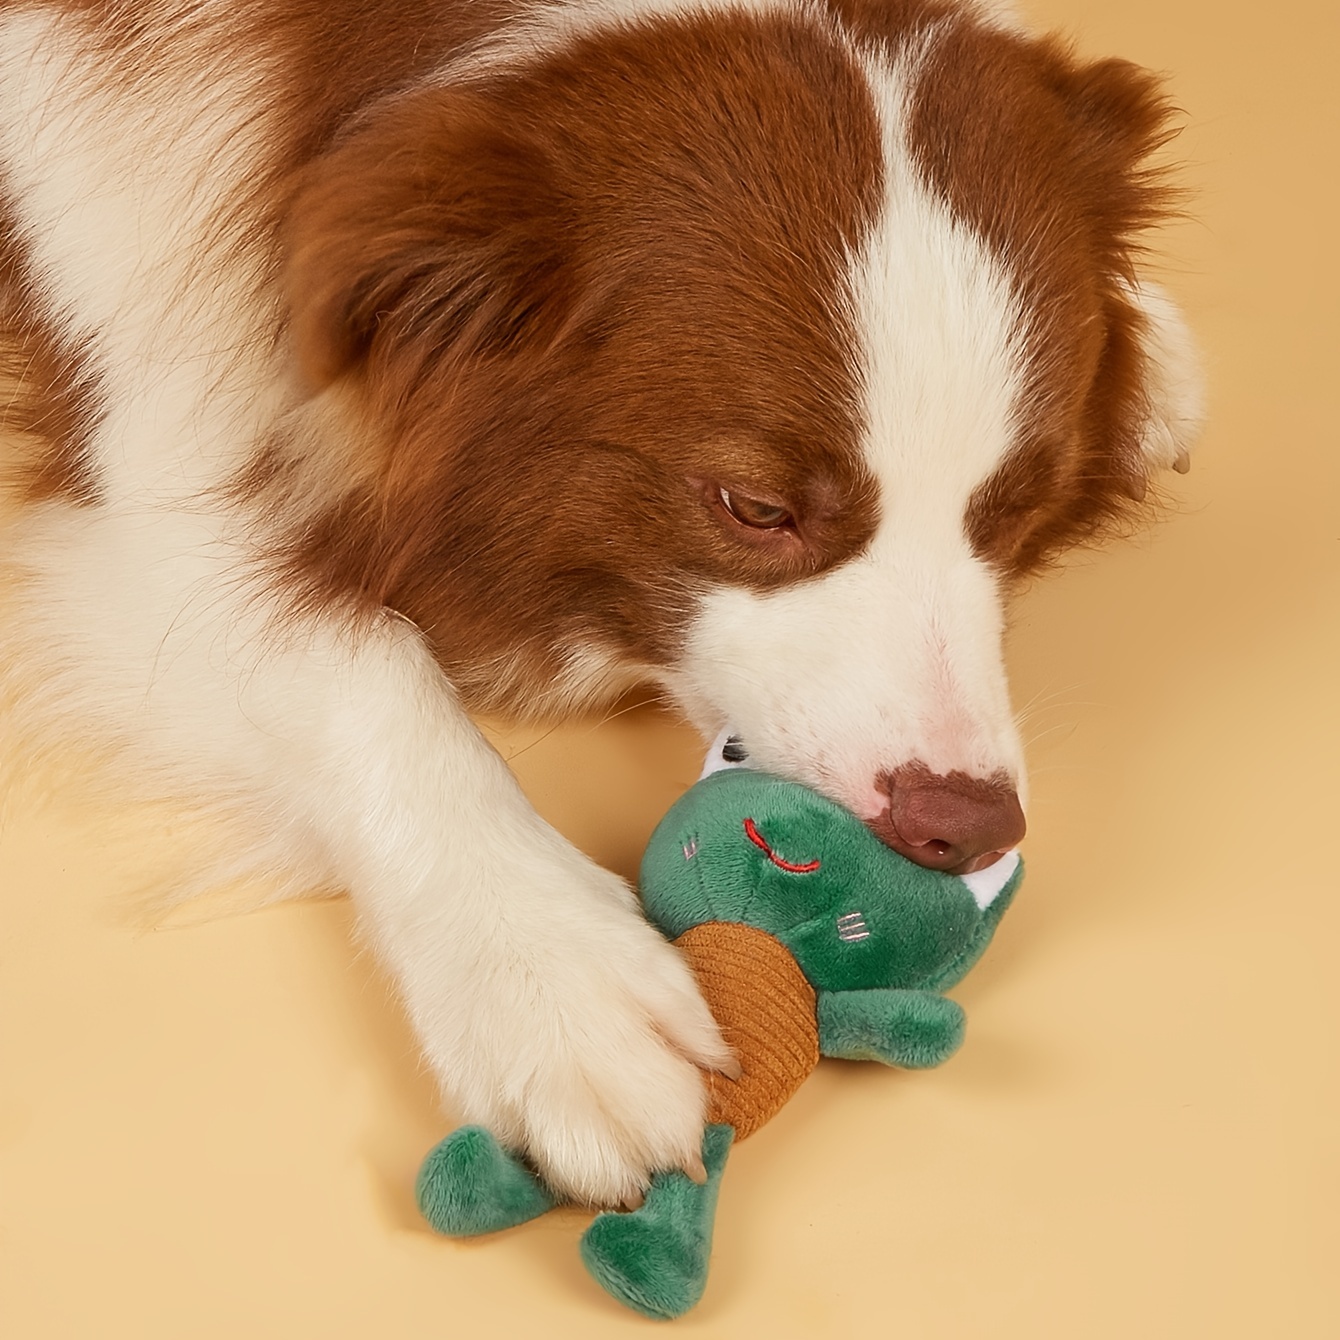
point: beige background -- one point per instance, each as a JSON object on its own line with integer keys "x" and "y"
{"x": 211, "y": 1131}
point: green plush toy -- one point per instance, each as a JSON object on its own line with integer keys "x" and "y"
{"x": 808, "y": 937}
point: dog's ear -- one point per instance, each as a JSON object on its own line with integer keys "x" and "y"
{"x": 433, "y": 232}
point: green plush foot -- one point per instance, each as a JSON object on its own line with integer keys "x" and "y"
{"x": 469, "y": 1184}
{"x": 654, "y": 1259}
{"x": 913, "y": 1029}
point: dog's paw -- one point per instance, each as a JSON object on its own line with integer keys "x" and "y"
{"x": 588, "y": 1044}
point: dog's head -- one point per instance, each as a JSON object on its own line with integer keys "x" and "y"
{"x": 757, "y": 350}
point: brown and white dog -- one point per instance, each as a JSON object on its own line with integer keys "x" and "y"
{"x": 395, "y": 358}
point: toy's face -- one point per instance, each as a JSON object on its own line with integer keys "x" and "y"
{"x": 742, "y": 846}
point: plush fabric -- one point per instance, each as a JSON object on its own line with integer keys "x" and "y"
{"x": 913, "y": 1029}
{"x": 470, "y": 1185}
{"x": 807, "y": 934}
{"x": 864, "y": 917}
{"x": 654, "y": 1259}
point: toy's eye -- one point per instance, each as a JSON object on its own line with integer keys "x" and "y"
{"x": 754, "y": 512}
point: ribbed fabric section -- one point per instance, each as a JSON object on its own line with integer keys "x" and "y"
{"x": 766, "y": 1010}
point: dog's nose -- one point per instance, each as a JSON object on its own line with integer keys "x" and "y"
{"x": 949, "y": 821}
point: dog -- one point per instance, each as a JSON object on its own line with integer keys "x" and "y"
{"x": 391, "y": 360}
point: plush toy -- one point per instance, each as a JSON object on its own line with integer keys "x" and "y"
{"x": 809, "y": 937}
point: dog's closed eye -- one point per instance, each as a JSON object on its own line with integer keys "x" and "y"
{"x": 756, "y": 513}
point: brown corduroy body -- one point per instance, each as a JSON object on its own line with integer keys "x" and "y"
{"x": 766, "y": 1009}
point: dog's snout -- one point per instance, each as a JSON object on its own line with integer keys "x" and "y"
{"x": 949, "y": 822}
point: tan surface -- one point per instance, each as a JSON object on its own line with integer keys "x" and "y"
{"x": 211, "y": 1132}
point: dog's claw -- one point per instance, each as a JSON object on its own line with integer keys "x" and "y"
{"x": 696, "y": 1170}
{"x": 732, "y": 1069}
{"x": 1182, "y": 462}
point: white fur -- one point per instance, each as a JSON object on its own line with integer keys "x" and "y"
{"x": 895, "y": 656}
{"x": 1174, "y": 380}
{"x": 1002, "y": 14}
{"x": 544, "y": 1004}
{"x": 147, "y": 172}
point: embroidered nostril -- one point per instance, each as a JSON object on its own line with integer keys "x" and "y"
{"x": 691, "y": 849}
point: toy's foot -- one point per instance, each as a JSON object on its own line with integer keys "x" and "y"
{"x": 469, "y": 1184}
{"x": 654, "y": 1259}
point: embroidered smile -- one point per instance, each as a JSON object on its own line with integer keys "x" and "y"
{"x": 757, "y": 838}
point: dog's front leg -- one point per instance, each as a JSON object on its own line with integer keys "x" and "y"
{"x": 545, "y": 1004}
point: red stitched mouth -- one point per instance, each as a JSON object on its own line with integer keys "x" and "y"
{"x": 757, "y": 838}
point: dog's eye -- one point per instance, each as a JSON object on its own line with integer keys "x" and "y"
{"x": 755, "y": 513}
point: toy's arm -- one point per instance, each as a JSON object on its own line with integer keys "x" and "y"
{"x": 912, "y": 1029}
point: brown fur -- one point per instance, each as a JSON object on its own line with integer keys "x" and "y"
{"x": 561, "y": 249}
{"x": 1046, "y": 159}
{"x": 349, "y": 54}
{"x": 543, "y": 318}
{"x": 571, "y": 324}
{"x": 48, "y": 402}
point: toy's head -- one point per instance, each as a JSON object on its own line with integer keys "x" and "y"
{"x": 742, "y": 846}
